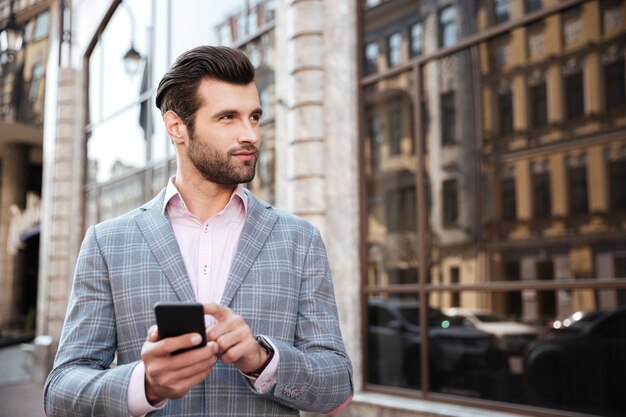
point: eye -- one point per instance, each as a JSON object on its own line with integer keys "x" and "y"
{"x": 227, "y": 117}
{"x": 256, "y": 117}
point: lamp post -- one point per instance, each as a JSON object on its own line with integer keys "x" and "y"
{"x": 132, "y": 58}
{"x": 11, "y": 37}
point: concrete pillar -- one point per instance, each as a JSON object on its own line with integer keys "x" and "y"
{"x": 317, "y": 139}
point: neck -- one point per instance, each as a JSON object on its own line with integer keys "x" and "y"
{"x": 203, "y": 198}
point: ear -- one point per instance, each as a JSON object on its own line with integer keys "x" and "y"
{"x": 176, "y": 128}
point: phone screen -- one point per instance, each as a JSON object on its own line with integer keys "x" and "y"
{"x": 175, "y": 319}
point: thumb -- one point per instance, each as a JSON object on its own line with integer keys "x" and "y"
{"x": 153, "y": 334}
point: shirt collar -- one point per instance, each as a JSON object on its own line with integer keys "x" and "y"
{"x": 173, "y": 196}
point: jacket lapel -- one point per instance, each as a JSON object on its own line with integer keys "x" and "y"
{"x": 160, "y": 237}
{"x": 259, "y": 223}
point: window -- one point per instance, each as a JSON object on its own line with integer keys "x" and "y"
{"x": 375, "y": 136}
{"x": 532, "y": 5}
{"x": 617, "y": 184}
{"x": 572, "y": 25}
{"x": 501, "y": 11}
{"x": 508, "y": 202}
{"x": 35, "y": 81}
{"x": 417, "y": 39}
{"x": 371, "y": 58}
{"x": 448, "y": 119}
{"x": 447, "y": 26}
{"x": 455, "y": 300}
{"x": 535, "y": 39}
{"x": 538, "y": 106}
{"x": 578, "y": 199}
{"x": 41, "y": 26}
{"x": 542, "y": 206}
{"x": 395, "y": 127}
{"x": 241, "y": 26}
{"x": 252, "y": 21}
{"x": 500, "y": 52}
{"x": 574, "y": 96}
{"x": 505, "y": 112}
{"x": 394, "y": 49}
{"x": 270, "y": 10}
{"x": 614, "y": 84}
{"x": 450, "y": 202}
{"x": 224, "y": 34}
{"x": 400, "y": 210}
{"x": 612, "y": 16}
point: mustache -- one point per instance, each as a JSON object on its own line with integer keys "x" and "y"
{"x": 247, "y": 149}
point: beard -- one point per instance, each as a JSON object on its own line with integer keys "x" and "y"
{"x": 221, "y": 168}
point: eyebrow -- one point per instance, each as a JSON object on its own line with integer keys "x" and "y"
{"x": 225, "y": 112}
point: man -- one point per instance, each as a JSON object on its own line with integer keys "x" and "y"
{"x": 274, "y": 344}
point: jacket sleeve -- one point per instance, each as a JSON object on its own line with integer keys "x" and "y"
{"x": 315, "y": 373}
{"x": 81, "y": 382}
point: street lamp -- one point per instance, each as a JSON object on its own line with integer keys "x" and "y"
{"x": 132, "y": 59}
{"x": 11, "y": 37}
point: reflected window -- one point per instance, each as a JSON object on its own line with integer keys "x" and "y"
{"x": 375, "y": 136}
{"x": 447, "y": 26}
{"x": 270, "y": 10}
{"x": 572, "y": 25}
{"x": 505, "y": 112}
{"x": 574, "y": 96}
{"x": 532, "y": 5}
{"x": 400, "y": 210}
{"x": 612, "y": 15}
{"x": 508, "y": 207}
{"x": 614, "y": 85}
{"x": 542, "y": 205}
{"x": 501, "y": 11}
{"x": 371, "y": 58}
{"x": 617, "y": 184}
{"x": 535, "y": 39}
{"x": 396, "y": 124}
{"x": 538, "y": 105}
{"x": 578, "y": 198}
{"x": 417, "y": 39}
{"x": 500, "y": 52}
{"x": 35, "y": 81}
{"x": 450, "y": 202}
{"x": 448, "y": 119}
{"x": 42, "y": 23}
{"x": 394, "y": 49}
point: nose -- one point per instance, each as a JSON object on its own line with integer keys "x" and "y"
{"x": 249, "y": 132}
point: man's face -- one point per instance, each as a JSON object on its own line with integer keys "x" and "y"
{"x": 224, "y": 144}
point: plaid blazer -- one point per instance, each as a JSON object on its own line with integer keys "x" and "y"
{"x": 280, "y": 282}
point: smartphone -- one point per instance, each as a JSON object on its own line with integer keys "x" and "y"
{"x": 175, "y": 319}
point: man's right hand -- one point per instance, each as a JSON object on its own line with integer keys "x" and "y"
{"x": 172, "y": 376}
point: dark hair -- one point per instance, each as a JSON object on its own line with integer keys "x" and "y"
{"x": 179, "y": 86}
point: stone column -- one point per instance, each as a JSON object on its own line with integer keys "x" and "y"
{"x": 317, "y": 139}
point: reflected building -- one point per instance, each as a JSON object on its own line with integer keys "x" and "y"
{"x": 22, "y": 85}
{"x": 553, "y": 156}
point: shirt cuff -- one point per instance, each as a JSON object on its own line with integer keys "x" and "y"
{"x": 267, "y": 379}
{"x": 137, "y": 402}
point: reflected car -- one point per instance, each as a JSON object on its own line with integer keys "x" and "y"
{"x": 582, "y": 368}
{"x": 574, "y": 322}
{"x": 459, "y": 354}
{"x": 512, "y": 336}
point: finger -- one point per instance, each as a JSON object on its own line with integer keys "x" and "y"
{"x": 220, "y": 313}
{"x": 188, "y": 340}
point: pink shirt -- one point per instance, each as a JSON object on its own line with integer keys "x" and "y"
{"x": 208, "y": 250}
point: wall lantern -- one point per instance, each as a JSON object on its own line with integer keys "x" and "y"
{"x": 11, "y": 37}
